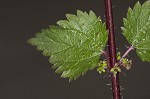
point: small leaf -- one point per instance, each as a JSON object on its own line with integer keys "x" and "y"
{"x": 137, "y": 29}
{"x": 75, "y": 45}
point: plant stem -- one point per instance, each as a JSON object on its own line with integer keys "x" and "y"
{"x": 112, "y": 48}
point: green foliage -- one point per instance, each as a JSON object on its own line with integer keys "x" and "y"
{"x": 137, "y": 29}
{"x": 75, "y": 45}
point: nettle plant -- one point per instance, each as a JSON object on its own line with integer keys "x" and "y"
{"x": 77, "y": 44}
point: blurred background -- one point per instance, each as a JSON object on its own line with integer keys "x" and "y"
{"x": 26, "y": 74}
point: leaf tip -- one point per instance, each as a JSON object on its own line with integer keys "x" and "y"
{"x": 91, "y": 13}
{"x": 79, "y": 13}
{"x": 138, "y": 3}
{"x": 32, "y": 41}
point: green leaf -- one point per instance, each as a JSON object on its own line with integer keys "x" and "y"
{"x": 75, "y": 45}
{"x": 137, "y": 29}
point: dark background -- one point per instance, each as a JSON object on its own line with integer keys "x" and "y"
{"x": 26, "y": 74}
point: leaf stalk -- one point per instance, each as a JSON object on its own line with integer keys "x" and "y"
{"x": 127, "y": 52}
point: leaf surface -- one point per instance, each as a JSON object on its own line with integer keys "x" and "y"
{"x": 75, "y": 45}
{"x": 137, "y": 29}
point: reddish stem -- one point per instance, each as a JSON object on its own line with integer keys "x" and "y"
{"x": 112, "y": 48}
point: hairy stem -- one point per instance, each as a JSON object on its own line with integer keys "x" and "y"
{"x": 112, "y": 48}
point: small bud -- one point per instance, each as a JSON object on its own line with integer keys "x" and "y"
{"x": 128, "y": 66}
{"x": 115, "y": 70}
{"x": 118, "y": 56}
{"x": 112, "y": 70}
{"x": 104, "y": 63}
{"x": 118, "y": 69}
{"x": 102, "y": 66}
{"x": 126, "y": 63}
